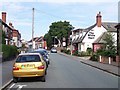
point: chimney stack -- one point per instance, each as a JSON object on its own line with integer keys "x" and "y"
{"x": 4, "y": 17}
{"x": 99, "y": 19}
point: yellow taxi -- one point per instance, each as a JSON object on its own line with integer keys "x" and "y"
{"x": 29, "y": 65}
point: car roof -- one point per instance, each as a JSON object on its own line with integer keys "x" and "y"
{"x": 29, "y": 54}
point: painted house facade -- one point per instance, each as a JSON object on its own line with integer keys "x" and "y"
{"x": 88, "y": 36}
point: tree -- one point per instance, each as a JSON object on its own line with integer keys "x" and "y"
{"x": 59, "y": 29}
{"x": 108, "y": 48}
{"x": 48, "y": 38}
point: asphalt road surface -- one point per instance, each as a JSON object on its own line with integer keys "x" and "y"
{"x": 65, "y": 72}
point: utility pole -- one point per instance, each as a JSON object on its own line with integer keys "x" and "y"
{"x": 32, "y": 28}
{"x": 71, "y": 44}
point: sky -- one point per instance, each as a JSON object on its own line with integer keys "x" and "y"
{"x": 80, "y": 14}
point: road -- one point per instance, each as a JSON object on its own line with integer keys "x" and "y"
{"x": 65, "y": 72}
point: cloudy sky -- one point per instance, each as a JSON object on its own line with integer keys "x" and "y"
{"x": 80, "y": 13}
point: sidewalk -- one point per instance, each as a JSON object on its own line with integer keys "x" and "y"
{"x": 113, "y": 69}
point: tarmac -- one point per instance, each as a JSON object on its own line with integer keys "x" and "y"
{"x": 112, "y": 68}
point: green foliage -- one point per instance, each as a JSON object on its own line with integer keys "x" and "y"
{"x": 9, "y": 51}
{"x": 82, "y": 54}
{"x": 65, "y": 51}
{"x": 48, "y": 38}
{"x": 89, "y": 51}
{"x": 76, "y": 53}
{"x": 109, "y": 48}
{"x": 59, "y": 29}
{"x": 109, "y": 39}
{"x": 94, "y": 57}
{"x": 108, "y": 53}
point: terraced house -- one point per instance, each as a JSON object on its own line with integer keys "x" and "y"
{"x": 13, "y": 37}
{"x": 91, "y": 37}
{"x": 38, "y": 42}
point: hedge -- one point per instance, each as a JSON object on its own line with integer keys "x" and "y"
{"x": 9, "y": 51}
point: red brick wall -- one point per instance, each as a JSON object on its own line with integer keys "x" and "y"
{"x": 15, "y": 33}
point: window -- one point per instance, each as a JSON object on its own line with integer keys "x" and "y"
{"x": 28, "y": 58}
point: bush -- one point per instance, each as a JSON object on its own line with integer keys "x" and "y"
{"x": 108, "y": 53}
{"x": 76, "y": 53}
{"x": 89, "y": 51}
{"x": 94, "y": 57}
{"x": 9, "y": 51}
{"x": 65, "y": 51}
{"x": 82, "y": 54}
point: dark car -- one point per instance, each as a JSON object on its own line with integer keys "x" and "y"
{"x": 45, "y": 58}
{"x": 46, "y": 54}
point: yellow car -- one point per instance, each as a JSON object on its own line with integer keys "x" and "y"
{"x": 29, "y": 65}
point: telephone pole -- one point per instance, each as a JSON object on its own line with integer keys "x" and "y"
{"x": 33, "y": 28}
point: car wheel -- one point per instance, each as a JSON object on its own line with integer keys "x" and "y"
{"x": 15, "y": 79}
{"x": 48, "y": 62}
{"x": 43, "y": 78}
{"x": 46, "y": 72}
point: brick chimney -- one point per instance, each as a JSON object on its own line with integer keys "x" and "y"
{"x": 99, "y": 19}
{"x": 4, "y": 17}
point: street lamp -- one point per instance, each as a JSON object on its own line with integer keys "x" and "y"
{"x": 54, "y": 40}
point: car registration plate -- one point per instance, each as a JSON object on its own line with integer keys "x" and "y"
{"x": 27, "y": 66}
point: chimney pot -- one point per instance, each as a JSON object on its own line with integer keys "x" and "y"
{"x": 4, "y": 17}
{"x": 10, "y": 24}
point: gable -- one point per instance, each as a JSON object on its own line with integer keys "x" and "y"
{"x": 93, "y": 34}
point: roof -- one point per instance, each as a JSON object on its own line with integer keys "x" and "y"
{"x": 6, "y": 24}
{"x": 37, "y": 39}
{"x": 87, "y": 29}
{"x": 76, "y": 29}
{"x": 29, "y": 54}
{"x": 117, "y": 26}
{"x": 100, "y": 38}
{"x": 110, "y": 26}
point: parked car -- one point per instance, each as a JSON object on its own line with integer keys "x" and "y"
{"x": 45, "y": 51}
{"x": 29, "y": 65}
{"x": 45, "y": 58}
{"x": 53, "y": 50}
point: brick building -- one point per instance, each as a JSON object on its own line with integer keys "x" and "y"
{"x": 13, "y": 37}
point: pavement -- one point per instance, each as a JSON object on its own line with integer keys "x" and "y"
{"x": 0, "y": 58}
{"x": 110, "y": 68}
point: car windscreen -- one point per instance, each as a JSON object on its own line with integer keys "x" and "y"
{"x": 28, "y": 58}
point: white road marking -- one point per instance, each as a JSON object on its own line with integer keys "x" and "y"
{"x": 12, "y": 85}
{"x": 20, "y": 86}
{"x": 6, "y": 84}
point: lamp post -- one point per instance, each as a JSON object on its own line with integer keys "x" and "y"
{"x": 54, "y": 40}
{"x": 32, "y": 28}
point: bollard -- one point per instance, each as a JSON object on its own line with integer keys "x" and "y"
{"x": 100, "y": 59}
{"x": 109, "y": 60}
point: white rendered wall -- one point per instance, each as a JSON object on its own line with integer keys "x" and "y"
{"x": 98, "y": 31}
